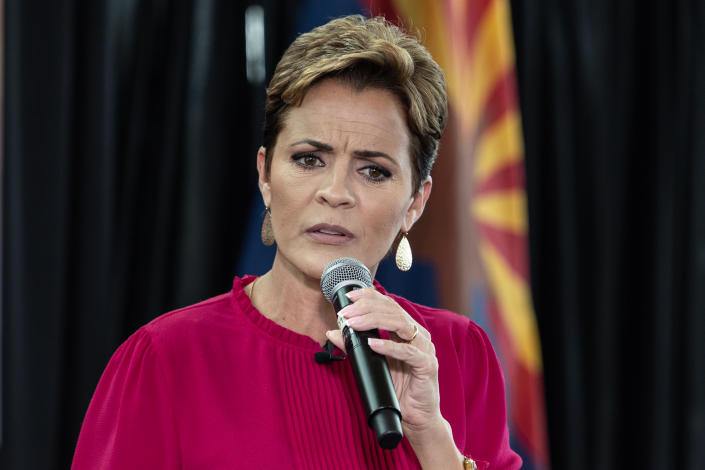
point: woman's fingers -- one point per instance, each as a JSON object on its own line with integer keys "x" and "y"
{"x": 364, "y": 301}
{"x": 372, "y": 309}
{"x": 357, "y": 294}
{"x": 408, "y": 353}
{"x": 336, "y": 337}
{"x": 419, "y": 361}
{"x": 400, "y": 324}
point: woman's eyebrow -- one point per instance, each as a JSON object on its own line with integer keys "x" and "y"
{"x": 373, "y": 154}
{"x": 314, "y": 143}
{"x": 358, "y": 153}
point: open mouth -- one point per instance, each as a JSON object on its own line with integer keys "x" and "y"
{"x": 330, "y": 233}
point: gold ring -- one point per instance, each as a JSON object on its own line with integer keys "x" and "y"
{"x": 416, "y": 332}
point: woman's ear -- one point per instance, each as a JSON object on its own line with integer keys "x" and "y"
{"x": 263, "y": 180}
{"x": 418, "y": 203}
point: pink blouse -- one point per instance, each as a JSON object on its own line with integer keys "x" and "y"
{"x": 217, "y": 385}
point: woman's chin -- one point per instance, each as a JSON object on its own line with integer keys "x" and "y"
{"x": 312, "y": 263}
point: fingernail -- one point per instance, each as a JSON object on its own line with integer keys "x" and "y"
{"x": 375, "y": 342}
{"x": 354, "y": 321}
{"x": 353, "y": 294}
{"x": 346, "y": 311}
{"x": 328, "y": 333}
{"x": 343, "y": 313}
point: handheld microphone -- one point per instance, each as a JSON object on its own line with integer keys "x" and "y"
{"x": 374, "y": 383}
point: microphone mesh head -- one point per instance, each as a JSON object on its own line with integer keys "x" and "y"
{"x": 343, "y": 271}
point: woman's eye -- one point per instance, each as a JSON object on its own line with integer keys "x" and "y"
{"x": 307, "y": 160}
{"x": 376, "y": 173}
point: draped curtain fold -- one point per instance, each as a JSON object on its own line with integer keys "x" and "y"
{"x": 130, "y": 137}
{"x": 613, "y": 108}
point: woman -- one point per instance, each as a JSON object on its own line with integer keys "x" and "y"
{"x": 354, "y": 113}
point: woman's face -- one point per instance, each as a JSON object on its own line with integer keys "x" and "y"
{"x": 340, "y": 179}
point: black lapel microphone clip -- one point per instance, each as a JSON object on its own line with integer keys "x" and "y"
{"x": 326, "y": 356}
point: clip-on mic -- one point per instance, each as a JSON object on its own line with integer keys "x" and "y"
{"x": 326, "y": 356}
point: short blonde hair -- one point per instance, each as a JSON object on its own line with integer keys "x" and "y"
{"x": 364, "y": 52}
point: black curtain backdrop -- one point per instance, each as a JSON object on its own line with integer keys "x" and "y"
{"x": 130, "y": 132}
{"x": 613, "y": 105}
{"x": 129, "y": 168}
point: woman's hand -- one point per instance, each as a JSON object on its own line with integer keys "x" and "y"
{"x": 412, "y": 364}
{"x": 414, "y": 368}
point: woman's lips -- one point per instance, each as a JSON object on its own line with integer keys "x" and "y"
{"x": 330, "y": 234}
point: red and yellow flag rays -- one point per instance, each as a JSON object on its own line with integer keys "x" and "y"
{"x": 472, "y": 41}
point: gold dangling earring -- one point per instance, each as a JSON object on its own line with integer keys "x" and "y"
{"x": 267, "y": 232}
{"x": 403, "y": 258}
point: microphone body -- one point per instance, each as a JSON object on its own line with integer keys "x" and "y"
{"x": 371, "y": 371}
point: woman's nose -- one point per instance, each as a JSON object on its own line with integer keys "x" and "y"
{"x": 334, "y": 189}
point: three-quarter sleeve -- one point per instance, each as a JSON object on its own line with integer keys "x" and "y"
{"x": 488, "y": 433}
{"x": 130, "y": 421}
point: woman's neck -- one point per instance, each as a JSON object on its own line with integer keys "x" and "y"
{"x": 294, "y": 301}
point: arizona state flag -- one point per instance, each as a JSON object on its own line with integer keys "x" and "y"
{"x": 472, "y": 42}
